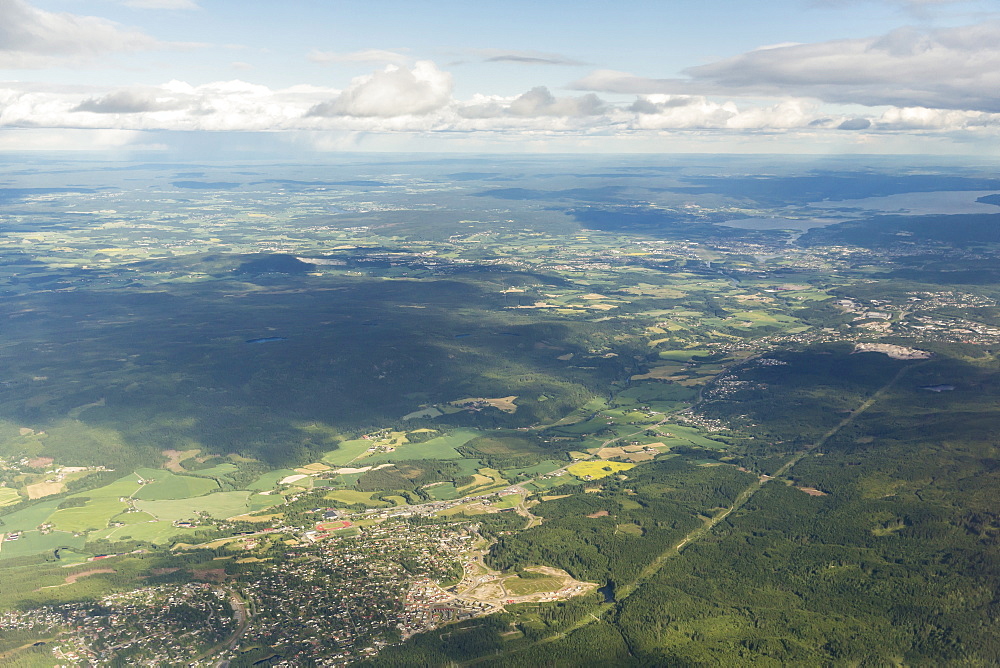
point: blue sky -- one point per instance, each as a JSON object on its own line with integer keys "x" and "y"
{"x": 797, "y": 76}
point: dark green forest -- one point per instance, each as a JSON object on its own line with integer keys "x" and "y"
{"x": 893, "y": 559}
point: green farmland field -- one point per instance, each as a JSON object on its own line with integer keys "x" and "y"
{"x": 350, "y": 497}
{"x": 682, "y": 355}
{"x": 34, "y": 542}
{"x": 124, "y": 486}
{"x": 28, "y": 518}
{"x": 346, "y": 452}
{"x": 155, "y": 532}
{"x": 528, "y": 586}
{"x": 95, "y": 514}
{"x": 219, "y": 505}
{"x": 269, "y": 480}
{"x": 220, "y": 471}
{"x": 172, "y": 486}
{"x": 8, "y": 496}
{"x": 681, "y": 435}
{"x": 442, "y": 492}
{"x": 442, "y": 447}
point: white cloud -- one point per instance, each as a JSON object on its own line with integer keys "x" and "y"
{"x": 35, "y": 38}
{"x": 919, "y": 118}
{"x": 614, "y": 81}
{"x": 538, "y": 101}
{"x": 526, "y": 57}
{"x": 947, "y": 68}
{"x": 175, "y": 105}
{"x": 402, "y": 101}
{"x": 661, "y": 112}
{"x": 131, "y": 101}
{"x": 395, "y": 91}
{"x": 365, "y": 56}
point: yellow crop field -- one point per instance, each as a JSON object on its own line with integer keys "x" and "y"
{"x": 40, "y": 489}
{"x": 597, "y": 470}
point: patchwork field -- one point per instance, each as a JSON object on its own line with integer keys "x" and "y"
{"x": 8, "y": 496}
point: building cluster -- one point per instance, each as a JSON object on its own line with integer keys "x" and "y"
{"x": 344, "y": 598}
{"x": 153, "y": 626}
{"x": 328, "y": 602}
{"x": 428, "y": 606}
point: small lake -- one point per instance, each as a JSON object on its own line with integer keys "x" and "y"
{"x": 608, "y": 591}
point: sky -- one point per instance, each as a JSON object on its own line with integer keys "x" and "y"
{"x": 677, "y": 76}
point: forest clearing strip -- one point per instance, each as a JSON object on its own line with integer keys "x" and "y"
{"x": 657, "y": 564}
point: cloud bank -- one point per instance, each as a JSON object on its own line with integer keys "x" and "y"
{"x": 420, "y": 100}
{"x": 913, "y": 81}
{"x": 948, "y": 68}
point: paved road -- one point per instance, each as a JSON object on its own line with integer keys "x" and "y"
{"x": 242, "y": 619}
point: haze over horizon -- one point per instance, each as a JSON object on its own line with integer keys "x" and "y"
{"x": 792, "y": 76}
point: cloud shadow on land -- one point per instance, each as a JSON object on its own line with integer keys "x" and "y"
{"x": 173, "y": 366}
